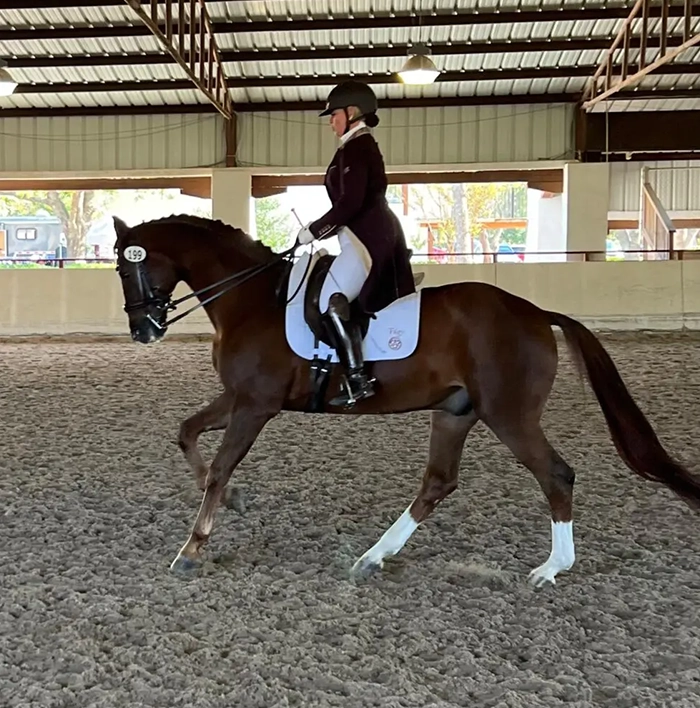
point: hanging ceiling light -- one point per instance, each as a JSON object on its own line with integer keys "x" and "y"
{"x": 419, "y": 67}
{"x": 7, "y": 83}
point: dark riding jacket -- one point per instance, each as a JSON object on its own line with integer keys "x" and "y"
{"x": 356, "y": 184}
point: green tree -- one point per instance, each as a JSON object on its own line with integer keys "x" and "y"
{"x": 76, "y": 211}
{"x": 460, "y": 207}
{"x": 274, "y": 226}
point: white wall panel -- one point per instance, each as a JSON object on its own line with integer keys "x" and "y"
{"x": 407, "y": 136}
{"x": 89, "y": 143}
{"x": 416, "y": 136}
{"x": 677, "y": 184}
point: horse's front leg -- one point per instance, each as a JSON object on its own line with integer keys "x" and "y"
{"x": 214, "y": 416}
{"x": 245, "y": 423}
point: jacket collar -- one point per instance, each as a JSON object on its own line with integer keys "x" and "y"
{"x": 353, "y": 132}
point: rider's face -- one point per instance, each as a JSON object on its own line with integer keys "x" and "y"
{"x": 338, "y": 122}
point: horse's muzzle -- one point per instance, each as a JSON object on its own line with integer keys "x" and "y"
{"x": 147, "y": 331}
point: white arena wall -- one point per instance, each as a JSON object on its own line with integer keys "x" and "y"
{"x": 604, "y": 295}
{"x": 627, "y": 295}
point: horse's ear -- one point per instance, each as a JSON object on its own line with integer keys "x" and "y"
{"x": 120, "y": 227}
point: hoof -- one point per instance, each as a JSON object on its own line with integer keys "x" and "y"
{"x": 539, "y": 577}
{"x": 185, "y": 568}
{"x": 366, "y": 567}
{"x": 234, "y": 500}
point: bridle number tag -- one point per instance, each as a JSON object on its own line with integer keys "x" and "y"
{"x": 135, "y": 254}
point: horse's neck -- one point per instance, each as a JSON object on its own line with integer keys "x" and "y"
{"x": 220, "y": 264}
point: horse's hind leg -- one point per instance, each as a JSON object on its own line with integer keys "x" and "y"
{"x": 447, "y": 435}
{"x": 556, "y": 479}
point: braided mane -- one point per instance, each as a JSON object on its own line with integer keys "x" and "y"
{"x": 225, "y": 233}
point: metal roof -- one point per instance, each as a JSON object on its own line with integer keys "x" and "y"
{"x": 287, "y": 54}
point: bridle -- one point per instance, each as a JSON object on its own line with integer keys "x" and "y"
{"x": 152, "y": 296}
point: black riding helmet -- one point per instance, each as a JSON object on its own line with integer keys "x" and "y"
{"x": 351, "y": 93}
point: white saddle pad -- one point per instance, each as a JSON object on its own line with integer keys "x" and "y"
{"x": 392, "y": 335}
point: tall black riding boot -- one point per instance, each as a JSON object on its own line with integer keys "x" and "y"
{"x": 357, "y": 385}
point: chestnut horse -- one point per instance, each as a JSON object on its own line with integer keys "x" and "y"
{"x": 483, "y": 354}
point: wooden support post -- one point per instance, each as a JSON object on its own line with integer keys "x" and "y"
{"x": 169, "y": 21}
{"x": 580, "y": 133}
{"x": 664, "y": 26}
{"x": 192, "y": 57}
{"x": 181, "y": 27}
{"x": 643, "y": 38}
{"x": 231, "y": 141}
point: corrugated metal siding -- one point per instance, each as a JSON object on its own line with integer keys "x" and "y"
{"x": 101, "y": 98}
{"x": 658, "y": 104}
{"x": 111, "y": 143}
{"x": 416, "y": 136}
{"x": 678, "y": 188}
{"x": 71, "y": 16}
{"x": 280, "y": 9}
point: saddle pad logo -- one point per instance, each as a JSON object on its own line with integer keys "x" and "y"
{"x": 395, "y": 338}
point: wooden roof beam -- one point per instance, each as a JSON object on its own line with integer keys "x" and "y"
{"x": 300, "y": 81}
{"x": 290, "y": 106}
{"x": 354, "y": 52}
{"x": 628, "y": 132}
{"x": 206, "y": 108}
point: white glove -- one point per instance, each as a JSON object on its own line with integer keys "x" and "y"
{"x": 305, "y": 236}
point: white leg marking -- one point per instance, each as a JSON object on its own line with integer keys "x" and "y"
{"x": 390, "y": 543}
{"x": 562, "y": 556}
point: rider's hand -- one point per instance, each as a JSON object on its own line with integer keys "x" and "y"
{"x": 305, "y": 236}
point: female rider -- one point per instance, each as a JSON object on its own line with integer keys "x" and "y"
{"x": 374, "y": 263}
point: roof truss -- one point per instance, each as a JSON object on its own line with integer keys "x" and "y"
{"x": 638, "y": 20}
{"x": 187, "y": 36}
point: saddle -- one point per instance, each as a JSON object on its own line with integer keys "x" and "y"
{"x": 312, "y": 335}
{"x": 312, "y": 314}
{"x": 318, "y": 323}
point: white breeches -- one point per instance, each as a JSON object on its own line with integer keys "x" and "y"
{"x": 349, "y": 271}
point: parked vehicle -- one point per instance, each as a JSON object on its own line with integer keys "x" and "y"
{"x": 30, "y": 237}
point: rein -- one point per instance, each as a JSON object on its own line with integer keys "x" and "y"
{"x": 231, "y": 281}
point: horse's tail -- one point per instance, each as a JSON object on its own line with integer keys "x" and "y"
{"x": 632, "y": 434}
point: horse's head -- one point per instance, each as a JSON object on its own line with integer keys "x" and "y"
{"x": 148, "y": 280}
